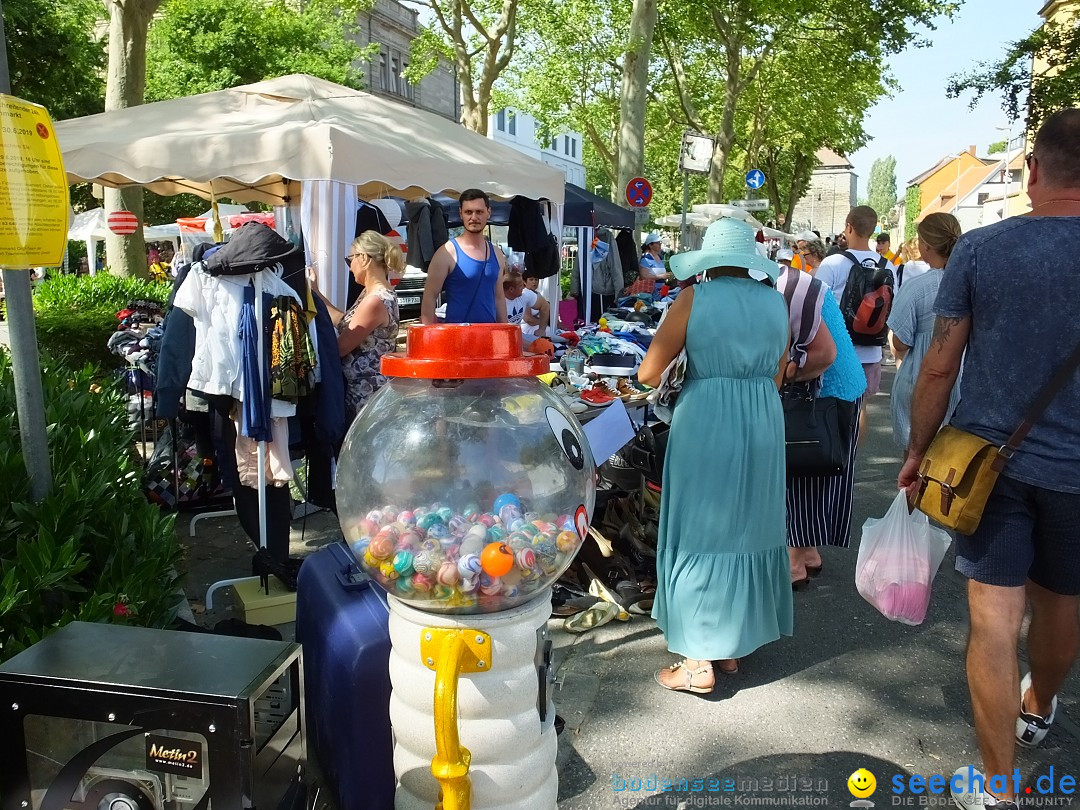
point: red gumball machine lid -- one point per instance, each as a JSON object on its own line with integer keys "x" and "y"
{"x": 464, "y": 351}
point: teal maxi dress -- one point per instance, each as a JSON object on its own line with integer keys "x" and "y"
{"x": 724, "y": 588}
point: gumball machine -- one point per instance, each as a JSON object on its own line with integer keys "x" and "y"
{"x": 465, "y": 489}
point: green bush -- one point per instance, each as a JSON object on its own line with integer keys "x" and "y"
{"x": 75, "y": 315}
{"x": 95, "y": 549}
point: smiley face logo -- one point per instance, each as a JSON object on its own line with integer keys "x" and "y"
{"x": 861, "y": 783}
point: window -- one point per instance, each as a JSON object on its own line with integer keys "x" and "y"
{"x": 406, "y": 86}
{"x": 500, "y": 121}
{"x": 555, "y": 144}
{"x": 573, "y": 147}
{"x": 513, "y": 124}
{"x": 566, "y": 144}
{"x": 384, "y": 75}
{"x": 394, "y": 74}
{"x": 983, "y": 197}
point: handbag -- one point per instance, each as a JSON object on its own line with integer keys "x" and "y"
{"x": 817, "y": 432}
{"x": 960, "y": 469}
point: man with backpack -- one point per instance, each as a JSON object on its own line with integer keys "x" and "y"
{"x": 862, "y": 282}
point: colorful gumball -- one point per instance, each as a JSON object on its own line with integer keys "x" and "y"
{"x": 509, "y": 513}
{"x": 407, "y": 517}
{"x": 497, "y": 559}
{"x": 445, "y": 513}
{"x": 438, "y": 530}
{"x": 567, "y": 541}
{"x": 448, "y": 574}
{"x": 457, "y": 524}
{"x": 422, "y": 582}
{"x": 428, "y": 520}
{"x": 487, "y": 519}
{"x": 403, "y": 563}
{"x": 490, "y": 586}
{"x": 386, "y": 569}
{"x": 469, "y": 566}
{"x": 507, "y": 499}
{"x": 404, "y": 587}
{"x": 370, "y": 562}
{"x": 469, "y": 584}
{"x": 381, "y": 546}
{"x": 425, "y": 562}
{"x": 496, "y": 533}
{"x": 442, "y": 593}
{"x": 390, "y": 512}
{"x": 526, "y": 558}
{"x": 471, "y": 511}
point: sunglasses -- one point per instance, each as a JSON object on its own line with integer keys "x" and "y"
{"x": 350, "y": 257}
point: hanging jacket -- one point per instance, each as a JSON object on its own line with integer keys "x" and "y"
{"x": 174, "y": 355}
{"x": 607, "y": 278}
{"x": 254, "y": 247}
{"x": 628, "y": 255}
{"x": 330, "y": 394}
{"x": 427, "y": 231}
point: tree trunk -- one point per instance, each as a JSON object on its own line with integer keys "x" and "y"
{"x": 725, "y": 137}
{"x": 635, "y": 80}
{"x": 125, "y": 87}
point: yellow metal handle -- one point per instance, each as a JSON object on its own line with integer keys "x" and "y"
{"x": 450, "y": 653}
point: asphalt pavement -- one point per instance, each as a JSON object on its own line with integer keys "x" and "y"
{"x": 848, "y": 690}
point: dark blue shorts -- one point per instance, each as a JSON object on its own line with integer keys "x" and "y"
{"x": 1026, "y": 532}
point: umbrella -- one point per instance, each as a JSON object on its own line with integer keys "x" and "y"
{"x": 255, "y": 142}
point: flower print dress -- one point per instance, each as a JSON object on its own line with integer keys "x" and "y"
{"x": 362, "y": 366}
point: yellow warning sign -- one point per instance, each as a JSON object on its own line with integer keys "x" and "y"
{"x": 33, "y": 188}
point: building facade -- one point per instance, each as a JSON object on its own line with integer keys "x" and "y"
{"x": 522, "y": 132}
{"x": 832, "y": 193}
{"x": 393, "y": 27}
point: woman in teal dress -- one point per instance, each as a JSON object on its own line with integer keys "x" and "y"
{"x": 723, "y": 587}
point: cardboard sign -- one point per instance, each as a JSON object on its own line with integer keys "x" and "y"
{"x": 34, "y": 206}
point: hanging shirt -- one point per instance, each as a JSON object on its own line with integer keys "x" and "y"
{"x": 470, "y": 287}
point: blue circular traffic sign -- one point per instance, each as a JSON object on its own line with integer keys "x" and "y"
{"x": 755, "y": 178}
{"x": 639, "y": 192}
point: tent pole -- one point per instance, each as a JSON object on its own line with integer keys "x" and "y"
{"x": 262, "y": 444}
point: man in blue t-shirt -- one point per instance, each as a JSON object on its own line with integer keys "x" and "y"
{"x": 1006, "y": 300}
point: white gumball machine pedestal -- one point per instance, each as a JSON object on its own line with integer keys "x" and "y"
{"x": 505, "y": 718}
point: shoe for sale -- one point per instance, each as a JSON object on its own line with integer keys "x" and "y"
{"x": 607, "y": 387}
{"x": 1030, "y": 728}
{"x": 975, "y": 798}
{"x": 628, "y": 391}
{"x": 596, "y": 396}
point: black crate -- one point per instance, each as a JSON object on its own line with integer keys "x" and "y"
{"x": 103, "y": 715}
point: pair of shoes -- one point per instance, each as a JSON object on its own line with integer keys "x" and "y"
{"x": 731, "y": 669}
{"x": 800, "y": 584}
{"x": 263, "y": 565}
{"x": 813, "y": 571}
{"x": 1030, "y": 728}
{"x": 607, "y": 388}
{"x": 596, "y": 396}
{"x": 688, "y": 675}
{"x": 628, "y": 391}
{"x": 975, "y": 797}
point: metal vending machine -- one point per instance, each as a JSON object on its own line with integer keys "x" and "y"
{"x": 465, "y": 489}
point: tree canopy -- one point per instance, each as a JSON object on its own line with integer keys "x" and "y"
{"x": 1054, "y": 84}
{"x": 881, "y": 187}
{"x": 54, "y": 57}
{"x": 198, "y": 46}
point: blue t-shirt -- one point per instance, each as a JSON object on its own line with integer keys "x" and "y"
{"x": 1019, "y": 281}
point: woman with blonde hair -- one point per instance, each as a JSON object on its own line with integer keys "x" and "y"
{"x": 370, "y": 328}
{"x": 912, "y": 319}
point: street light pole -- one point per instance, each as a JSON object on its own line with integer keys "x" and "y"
{"x": 25, "y": 365}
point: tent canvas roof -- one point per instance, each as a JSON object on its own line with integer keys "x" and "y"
{"x": 256, "y": 141}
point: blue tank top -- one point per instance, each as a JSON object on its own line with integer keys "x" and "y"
{"x": 470, "y": 288}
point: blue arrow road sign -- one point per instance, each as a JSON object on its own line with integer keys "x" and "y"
{"x": 755, "y": 178}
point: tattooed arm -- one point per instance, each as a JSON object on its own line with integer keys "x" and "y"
{"x": 940, "y": 368}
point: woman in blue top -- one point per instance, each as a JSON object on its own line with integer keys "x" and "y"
{"x": 819, "y": 507}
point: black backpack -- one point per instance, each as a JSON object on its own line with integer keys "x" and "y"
{"x": 867, "y": 301}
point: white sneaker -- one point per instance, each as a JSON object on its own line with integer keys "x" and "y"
{"x": 1030, "y": 728}
{"x": 977, "y": 799}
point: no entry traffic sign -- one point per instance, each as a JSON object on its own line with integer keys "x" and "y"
{"x": 639, "y": 192}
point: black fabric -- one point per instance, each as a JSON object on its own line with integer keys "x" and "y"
{"x": 628, "y": 255}
{"x": 543, "y": 261}
{"x": 174, "y": 355}
{"x": 428, "y": 231}
{"x": 368, "y": 218}
{"x": 527, "y": 231}
{"x": 500, "y": 211}
{"x": 254, "y": 247}
{"x": 583, "y": 209}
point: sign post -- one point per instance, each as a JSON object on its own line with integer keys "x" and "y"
{"x": 639, "y": 192}
{"x": 696, "y": 158}
{"x": 33, "y": 233}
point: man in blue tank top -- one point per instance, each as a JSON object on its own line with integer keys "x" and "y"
{"x": 468, "y": 270}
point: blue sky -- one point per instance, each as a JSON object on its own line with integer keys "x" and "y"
{"x": 919, "y": 125}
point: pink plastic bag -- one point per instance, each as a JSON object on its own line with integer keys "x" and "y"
{"x": 898, "y": 558}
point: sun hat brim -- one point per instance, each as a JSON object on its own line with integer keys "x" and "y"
{"x": 693, "y": 263}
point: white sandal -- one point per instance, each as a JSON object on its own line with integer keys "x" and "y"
{"x": 690, "y": 675}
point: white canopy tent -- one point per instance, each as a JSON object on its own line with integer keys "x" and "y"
{"x": 259, "y": 141}
{"x": 92, "y": 226}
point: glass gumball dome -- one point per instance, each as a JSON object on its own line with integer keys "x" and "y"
{"x": 465, "y": 485}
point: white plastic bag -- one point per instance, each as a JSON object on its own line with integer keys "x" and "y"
{"x": 898, "y": 558}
